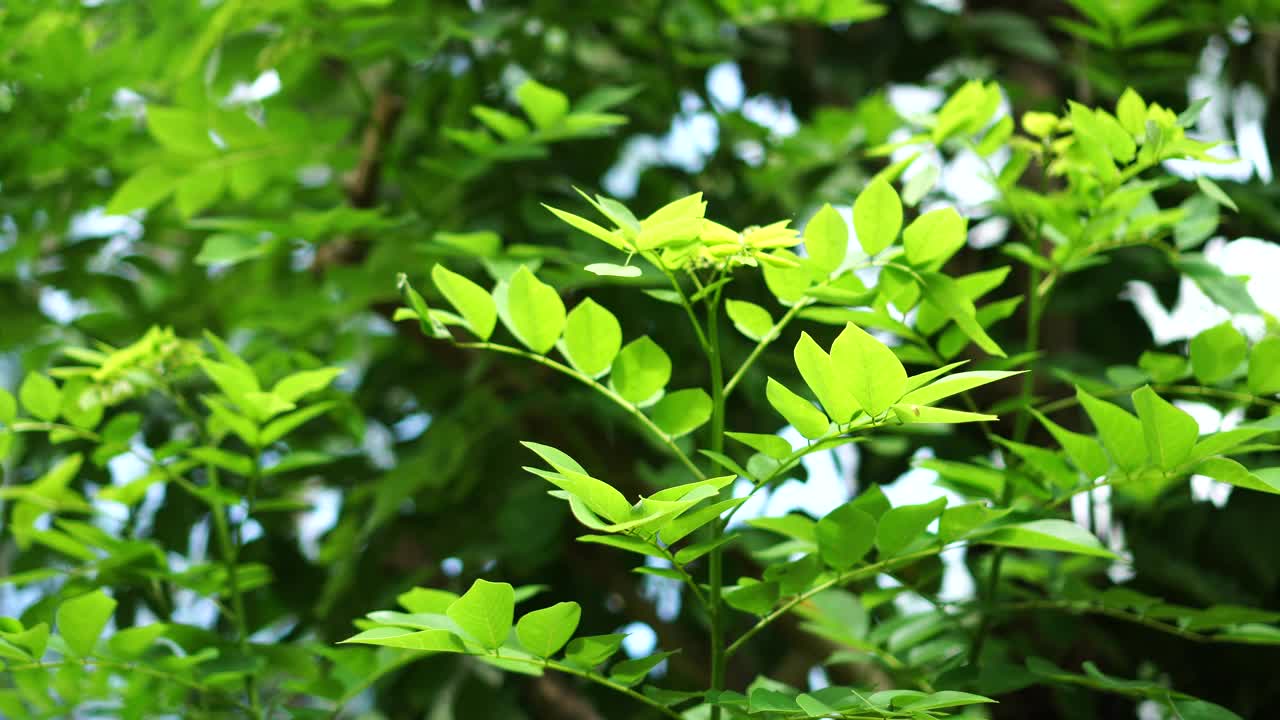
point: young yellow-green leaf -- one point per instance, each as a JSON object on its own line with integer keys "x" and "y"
{"x": 640, "y": 371}
{"x": 1120, "y": 432}
{"x": 592, "y": 338}
{"x": 536, "y": 311}
{"x": 473, "y": 302}
{"x": 1056, "y": 535}
{"x": 788, "y": 284}
{"x": 1170, "y": 432}
{"x": 82, "y": 619}
{"x": 934, "y": 237}
{"x": 899, "y": 527}
{"x": 815, "y": 367}
{"x": 682, "y": 412}
{"x": 750, "y": 319}
{"x": 877, "y": 216}
{"x": 1264, "y": 367}
{"x": 826, "y": 239}
{"x": 606, "y": 236}
{"x": 868, "y": 369}
{"x": 543, "y": 632}
{"x": 485, "y": 612}
{"x": 1131, "y": 111}
{"x": 845, "y": 535}
{"x": 955, "y": 384}
{"x": 1216, "y": 353}
{"x": 771, "y": 445}
{"x": 426, "y": 600}
{"x": 1085, "y": 452}
{"x": 40, "y": 396}
{"x": 807, "y": 419}
{"x": 296, "y": 386}
{"x": 545, "y": 106}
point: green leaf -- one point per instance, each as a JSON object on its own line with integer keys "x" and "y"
{"x": 142, "y": 191}
{"x": 1264, "y": 368}
{"x": 845, "y": 535}
{"x": 1170, "y": 432}
{"x": 788, "y": 284}
{"x": 757, "y": 598}
{"x": 957, "y": 522}
{"x": 955, "y": 384}
{"x": 1085, "y": 452}
{"x": 869, "y": 370}
{"x": 771, "y": 445}
{"x": 1193, "y": 709}
{"x": 934, "y": 415}
{"x": 182, "y": 131}
{"x": 1233, "y": 473}
{"x": 632, "y": 672}
{"x": 750, "y": 319}
{"x": 682, "y": 412}
{"x": 877, "y": 216}
{"x": 82, "y": 619}
{"x": 296, "y": 386}
{"x": 1055, "y": 535}
{"x": 808, "y": 420}
{"x": 1121, "y": 432}
{"x": 536, "y": 311}
{"x": 901, "y": 526}
{"x": 1216, "y": 353}
{"x": 473, "y": 302}
{"x": 608, "y": 237}
{"x": 934, "y": 237}
{"x": 641, "y": 371}
{"x": 1210, "y": 188}
{"x": 1228, "y": 291}
{"x": 543, "y": 632}
{"x": 826, "y": 240}
{"x": 8, "y": 408}
{"x": 485, "y": 612}
{"x": 423, "y": 640}
{"x": 592, "y": 338}
{"x": 545, "y": 106}
{"x": 626, "y": 543}
{"x": 949, "y": 298}
{"x": 943, "y": 699}
{"x": 133, "y": 642}
{"x": 40, "y": 396}
{"x": 591, "y": 650}
{"x": 1131, "y": 111}
{"x": 816, "y": 368}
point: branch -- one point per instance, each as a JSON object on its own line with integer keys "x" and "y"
{"x": 617, "y": 399}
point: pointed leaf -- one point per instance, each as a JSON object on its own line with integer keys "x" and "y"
{"x": 536, "y": 311}
{"x": 877, "y": 216}
{"x": 807, "y": 419}
{"x": 543, "y": 632}
{"x": 473, "y": 302}
{"x": 871, "y": 372}
{"x": 485, "y": 612}
{"x": 844, "y": 536}
{"x": 592, "y": 338}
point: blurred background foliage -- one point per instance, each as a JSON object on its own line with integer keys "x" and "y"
{"x": 354, "y": 139}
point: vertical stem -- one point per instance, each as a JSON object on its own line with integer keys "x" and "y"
{"x": 1035, "y": 308}
{"x": 231, "y": 558}
{"x": 716, "y": 560}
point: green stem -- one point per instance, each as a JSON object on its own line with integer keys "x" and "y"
{"x": 769, "y": 337}
{"x": 847, "y": 576}
{"x": 617, "y": 399}
{"x": 231, "y": 558}
{"x": 715, "y": 563}
{"x": 595, "y": 678}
